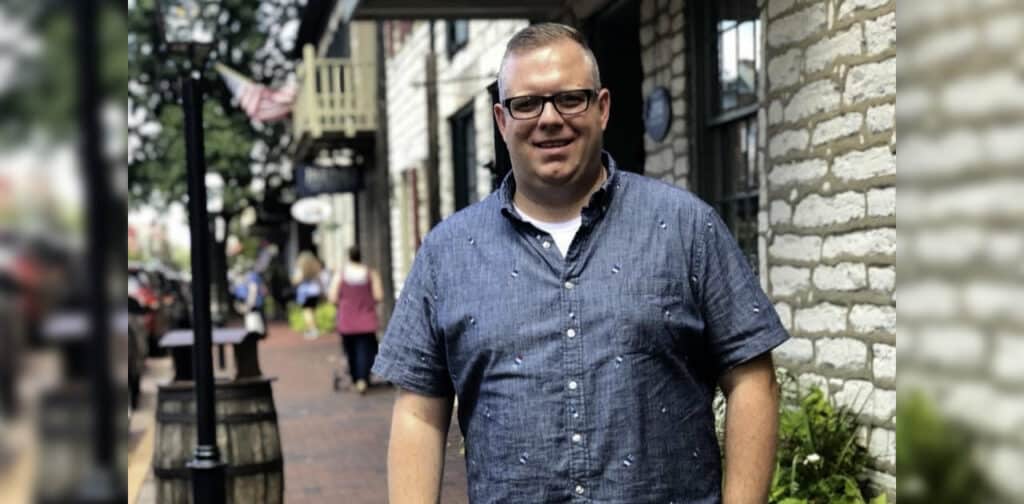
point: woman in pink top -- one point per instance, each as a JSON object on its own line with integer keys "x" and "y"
{"x": 356, "y": 290}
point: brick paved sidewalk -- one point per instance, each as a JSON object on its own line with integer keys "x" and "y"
{"x": 335, "y": 443}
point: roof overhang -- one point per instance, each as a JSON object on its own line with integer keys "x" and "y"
{"x": 450, "y": 9}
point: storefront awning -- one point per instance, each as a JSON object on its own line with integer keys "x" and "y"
{"x": 449, "y": 9}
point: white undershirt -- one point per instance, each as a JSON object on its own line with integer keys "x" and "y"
{"x": 561, "y": 232}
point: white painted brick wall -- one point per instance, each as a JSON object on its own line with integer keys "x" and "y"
{"x": 850, "y": 7}
{"x": 952, "y": 346}
{"x": 883, "y": 447}
{"x": 841, "y": 277}
{"x": 815, "y": 210}
{"x": 830, "y": 117}
{"x": 861, "y": 244}
{"x": 784, "y": 70}
{"x": 880, "y": 33}
{"x": 870, "y": 80}
{"x": 814, "y": 98}
{"x": 837, "y": 127}
{"x": 882, "y": 202}
{"x": 823, "y": 318}
{"x": 823, "y": 53}
{"x": 863, "y": 165}
{"x": 788, "y": 141}
{"x": 780, "y": 212}
{"x": 883, "y": 366}
{"x": 798, "y": 172}
{"x": 788, "y": 280}
{"x": 882, "y": 279}
{"x": 785, "y": 313}
{"x": 881, "y": 118}
{"x": 846, "y": 355}
{"x": 1006, "y": 365}
{"x": 794, "y": 352}
{"x": 796, "y": 248}
{"x": 873, "y": 318}
{"x": 878, "y": 405}
{"x": 797, "y": 26}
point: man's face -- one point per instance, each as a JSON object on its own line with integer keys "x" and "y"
{"x": 552, "y": 149}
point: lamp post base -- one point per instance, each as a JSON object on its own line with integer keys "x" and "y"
{"x": 207, "y": 475}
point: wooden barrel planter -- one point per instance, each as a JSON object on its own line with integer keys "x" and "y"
{"x": 247, "y": 435}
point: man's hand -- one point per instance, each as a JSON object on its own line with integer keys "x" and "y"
{"x": 419, "y": 431}
{"x": 751, "y": 430}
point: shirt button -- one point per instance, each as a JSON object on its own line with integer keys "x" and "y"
{"x": 576, "y": 438}
{"x": 571, "y": 333}
{"x": 569, "y": 285}
{"x": 572, "y": 385}
{"x": 580, "y": 489}
{"x": 546, "y": 244}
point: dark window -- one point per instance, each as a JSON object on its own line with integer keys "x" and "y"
{"x": 502, "y": 164}
{"x": 458, "y": 35}
{"x": 725, "y": 104}
{"x": 614, "y": 36}
{"x": 464, "y": 156}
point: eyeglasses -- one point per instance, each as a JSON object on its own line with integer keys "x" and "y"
{"x": 567, "y": 103}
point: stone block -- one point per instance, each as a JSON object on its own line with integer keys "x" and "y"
{"x": 816, "y": 210}
{"x": 787, "y": 280}
{"x": 822, "y": 318}
{"x": 841, "y": 277}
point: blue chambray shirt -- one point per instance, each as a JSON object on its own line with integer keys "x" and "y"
{"x": 587, "y": 378}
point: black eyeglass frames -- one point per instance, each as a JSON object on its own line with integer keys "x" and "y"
{"x": 567, "y": 103}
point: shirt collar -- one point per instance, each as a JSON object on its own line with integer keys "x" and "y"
{"x": 596, "y": 207}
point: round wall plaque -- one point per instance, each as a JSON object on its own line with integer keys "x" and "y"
{"x": 658, "y": 113}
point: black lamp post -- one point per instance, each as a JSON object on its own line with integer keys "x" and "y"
{"x": 188, "y": 28}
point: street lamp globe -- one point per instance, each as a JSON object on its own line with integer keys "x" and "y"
{"x": 189, "y": 26}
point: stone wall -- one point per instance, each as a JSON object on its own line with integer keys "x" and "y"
{"x": 663, "y": 45}
{"x": 961, "y": 122}
{"x": 831, "y": 245}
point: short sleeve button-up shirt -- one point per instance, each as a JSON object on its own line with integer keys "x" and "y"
{"x": 587, "y": 378}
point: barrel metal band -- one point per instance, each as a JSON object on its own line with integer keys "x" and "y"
{"x": 230, "y": 471}
{"x": 235, "y": 418}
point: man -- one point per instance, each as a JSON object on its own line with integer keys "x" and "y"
{"x": 583, "y": 316}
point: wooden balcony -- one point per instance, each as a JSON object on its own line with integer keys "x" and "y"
{"x": 337, "y": 99}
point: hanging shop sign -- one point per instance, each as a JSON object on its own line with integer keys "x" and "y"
{"x": 311, "y": 210}
{"x": 311, "y": 180}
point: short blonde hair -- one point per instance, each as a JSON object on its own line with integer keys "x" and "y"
{"x": 542, "y": 35}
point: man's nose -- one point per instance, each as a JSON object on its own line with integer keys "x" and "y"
{"x": 549, "y": 116}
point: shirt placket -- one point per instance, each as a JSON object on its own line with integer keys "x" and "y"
{"x": 574, "y": 361}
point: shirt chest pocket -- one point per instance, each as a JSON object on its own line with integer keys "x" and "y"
{"x": 652, "y": 316}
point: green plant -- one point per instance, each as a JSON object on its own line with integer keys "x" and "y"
{"x": 933, "y": 457}
{"x": 324, "y": 316}
{"x": 819, "y": 458}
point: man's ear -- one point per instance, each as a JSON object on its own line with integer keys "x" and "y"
{"x": 499, "y": 117}
{"x": 604, "y": 105}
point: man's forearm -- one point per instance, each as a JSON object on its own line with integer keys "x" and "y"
{"x": 416, "y": 450}
{"x": 751, "y": 432}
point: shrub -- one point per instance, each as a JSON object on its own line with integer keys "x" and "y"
{"x": 819, "y": 459}
{"x": 933, "y": 457}
{"x": 324, "y": 315}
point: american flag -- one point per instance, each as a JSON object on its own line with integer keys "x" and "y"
{"x": 260, "y": 103}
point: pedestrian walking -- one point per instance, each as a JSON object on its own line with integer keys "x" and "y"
{"x": 253, "y": 300}
{"x": 584, "y": 317}
{"x": 356, "y": 291}
{"x": 308, "y": 290}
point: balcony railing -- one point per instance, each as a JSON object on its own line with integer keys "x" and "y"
{"x": 336, "y": 95}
